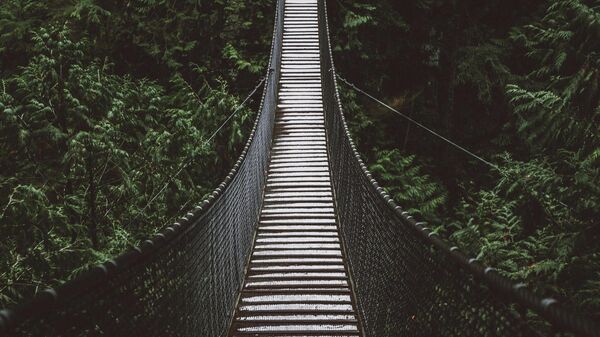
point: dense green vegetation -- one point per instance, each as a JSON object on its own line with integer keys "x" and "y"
{"x": 102, "y": 100}
{"x": 518, "y": 83}
{"x": 100, "y": 103}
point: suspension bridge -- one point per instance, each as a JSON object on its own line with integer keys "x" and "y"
{"x": 298, "y": 240}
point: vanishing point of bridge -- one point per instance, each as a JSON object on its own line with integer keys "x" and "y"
{"x": 296, "y": 281}
{"x": 298, "y": 240}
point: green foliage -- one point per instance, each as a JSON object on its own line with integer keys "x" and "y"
{"x": 564, "y": 46}
{"x": 524, "y": 228}
{"x": 232, "y": 54}
{"x": 354, "y": 19}
{"x": 101, "y": 110}
{"x": 404, "y": 181}
{"x": 102, "y": 100}
{"x": 483, "y": 67}
{"x": 516, "y": 82}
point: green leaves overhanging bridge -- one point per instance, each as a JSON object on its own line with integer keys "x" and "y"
{"x": 299, "y": 240}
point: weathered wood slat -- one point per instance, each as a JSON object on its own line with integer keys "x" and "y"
{"x": 297, "y": 283}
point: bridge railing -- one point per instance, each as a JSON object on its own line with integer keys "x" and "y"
{"x": 185, "y": 281}
{"x": 408, "y": 281}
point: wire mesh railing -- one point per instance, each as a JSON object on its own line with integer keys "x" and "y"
{"x": 184, "y": 282}
{"x": 409, "y": 282}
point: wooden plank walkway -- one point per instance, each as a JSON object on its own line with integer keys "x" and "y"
{"x": 297, "y": 283}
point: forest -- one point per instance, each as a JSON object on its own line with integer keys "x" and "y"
{"x": 102, "y": 101}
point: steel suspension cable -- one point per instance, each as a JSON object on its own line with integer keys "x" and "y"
{"x": 206, "y": 142}
{"x": 454, "y": 144}
{"x": 422, "y": 126}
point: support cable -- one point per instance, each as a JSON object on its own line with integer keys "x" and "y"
{"x": 454, "y": 144}
{"x": 459, "y": 147}
{"x": 189, "y": 161}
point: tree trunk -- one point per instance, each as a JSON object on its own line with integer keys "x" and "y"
{"x": 92, "y": 213}
{"x": 445, "y": 99}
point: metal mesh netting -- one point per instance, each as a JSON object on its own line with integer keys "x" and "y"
{"x": 185, "y": 282}
{"x": 407, "y": 281}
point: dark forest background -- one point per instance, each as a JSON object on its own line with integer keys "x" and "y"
{"x": 102, "y": 100}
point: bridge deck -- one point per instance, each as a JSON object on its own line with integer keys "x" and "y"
{"x": 297, "y": 283}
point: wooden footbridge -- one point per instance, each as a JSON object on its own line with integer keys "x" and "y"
{"x": 297, "y": 280}
{"x": 299, "y": 240}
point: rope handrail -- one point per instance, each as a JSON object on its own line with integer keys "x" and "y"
{"x": 508, "y": 293}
